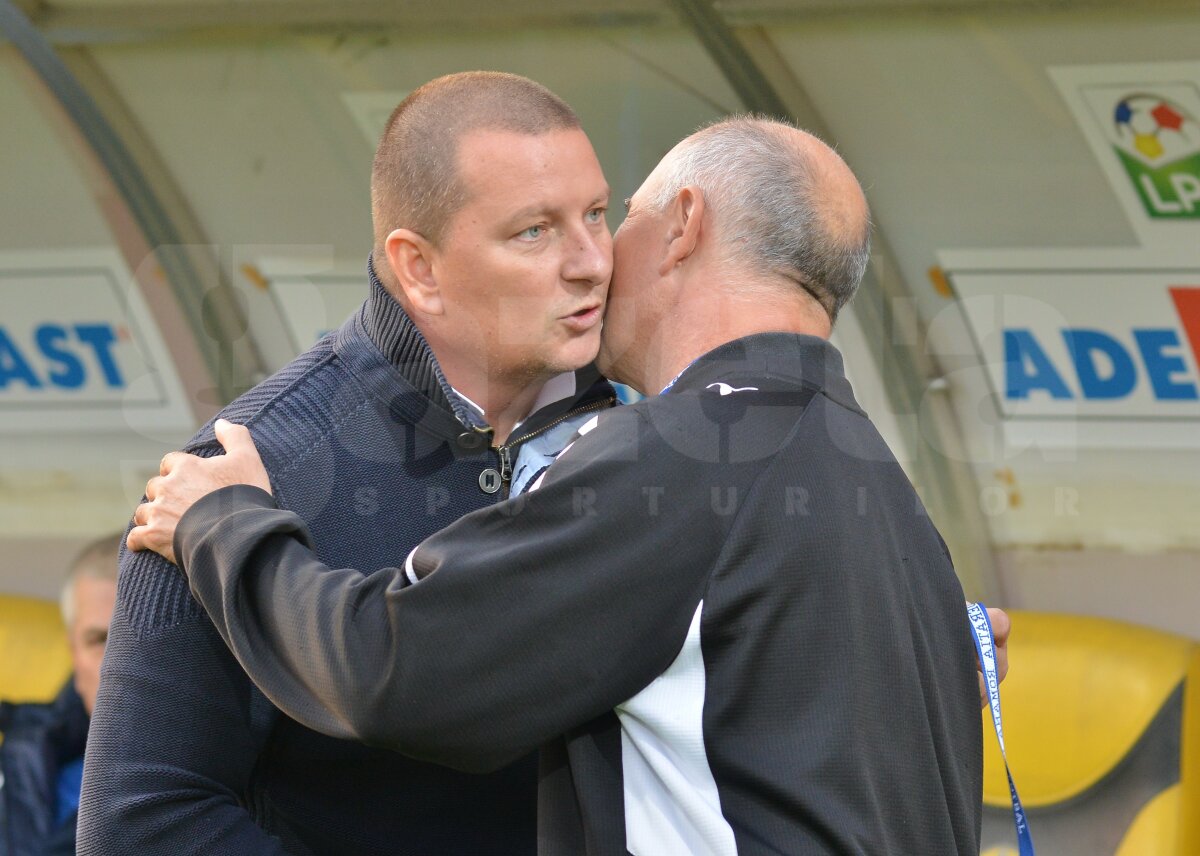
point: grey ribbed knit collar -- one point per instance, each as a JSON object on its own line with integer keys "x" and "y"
{"x": 398, "y": 338}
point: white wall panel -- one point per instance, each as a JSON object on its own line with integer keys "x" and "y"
{"x": 43, "y": 201}
{"x": 965, "y": 143}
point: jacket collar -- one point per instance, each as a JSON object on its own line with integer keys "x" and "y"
{"x": 793, "y": 357}
{"x": 395, "y": 335}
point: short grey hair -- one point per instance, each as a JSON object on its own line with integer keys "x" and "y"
{"x": 96, "y": 561}
{"x": 766, "y": 198}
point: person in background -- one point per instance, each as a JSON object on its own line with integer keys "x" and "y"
{"x": 41, "y": 758}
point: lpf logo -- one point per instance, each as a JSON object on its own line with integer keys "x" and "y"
{"x": 1157, "y": 139}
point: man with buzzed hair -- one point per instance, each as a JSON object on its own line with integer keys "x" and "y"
{"x": 722, "y": 612}
{"x": 465, "y": 370}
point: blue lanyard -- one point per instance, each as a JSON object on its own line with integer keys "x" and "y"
{"x": 986, "y": 648}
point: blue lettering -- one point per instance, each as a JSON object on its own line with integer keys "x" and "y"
{"x": 1084, "y": 345}
{"x": 13, "y": 365}
{"x": 1027, "y": 368}
{"x": 1161, "y": 366}
{"x": 101, "y": 338}
{"x": 71, "y": 375}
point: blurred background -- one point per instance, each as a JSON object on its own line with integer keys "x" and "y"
{"x": 184, "y": 207}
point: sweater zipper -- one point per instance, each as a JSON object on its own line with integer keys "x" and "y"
{"x": 505, "y": 451}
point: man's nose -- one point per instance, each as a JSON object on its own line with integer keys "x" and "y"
{"x": 589, "y": 258}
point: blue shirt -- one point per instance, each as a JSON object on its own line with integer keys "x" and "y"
{"x": 66, "y": 794}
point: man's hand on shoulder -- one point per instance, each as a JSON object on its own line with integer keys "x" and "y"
{"x": 183, "y": 479}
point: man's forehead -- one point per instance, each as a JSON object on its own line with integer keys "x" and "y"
{"x": 534, "y": 151}
{"x": 528, "y": 173}
{"x": 94, "y": 590}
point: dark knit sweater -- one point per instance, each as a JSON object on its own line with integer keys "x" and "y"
{"x": 365, "y": 441}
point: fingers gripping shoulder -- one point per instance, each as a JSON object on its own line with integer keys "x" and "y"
{"x": 153, "y": 594}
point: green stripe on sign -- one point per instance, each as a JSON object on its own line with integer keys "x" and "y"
{"x": 1171, "y": 191}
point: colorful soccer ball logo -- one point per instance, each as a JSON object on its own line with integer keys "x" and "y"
{"x": 1155, "y": 128}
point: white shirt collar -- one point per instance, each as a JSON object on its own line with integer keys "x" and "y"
{"x": 556, "y": 389}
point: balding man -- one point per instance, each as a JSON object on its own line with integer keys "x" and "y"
{"x": 722, "y": 612}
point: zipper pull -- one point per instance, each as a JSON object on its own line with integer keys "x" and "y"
{"x": 505, "y": 464}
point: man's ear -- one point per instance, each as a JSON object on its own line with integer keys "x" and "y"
{"x": 684, "y": 216}
{"x": 411, "y": 259}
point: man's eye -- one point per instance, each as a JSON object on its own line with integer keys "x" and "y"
{"x": 596, "y": 215}
{"x": 532, "y": 233}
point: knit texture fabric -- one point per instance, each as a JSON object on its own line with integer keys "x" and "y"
{"x": 364, "y": 439}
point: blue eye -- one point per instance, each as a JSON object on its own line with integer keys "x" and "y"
{"x": 595, "y": 215}
{"x": 532, "y": 233}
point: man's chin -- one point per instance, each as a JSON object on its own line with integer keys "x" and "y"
{"x": 583, "y": 351}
